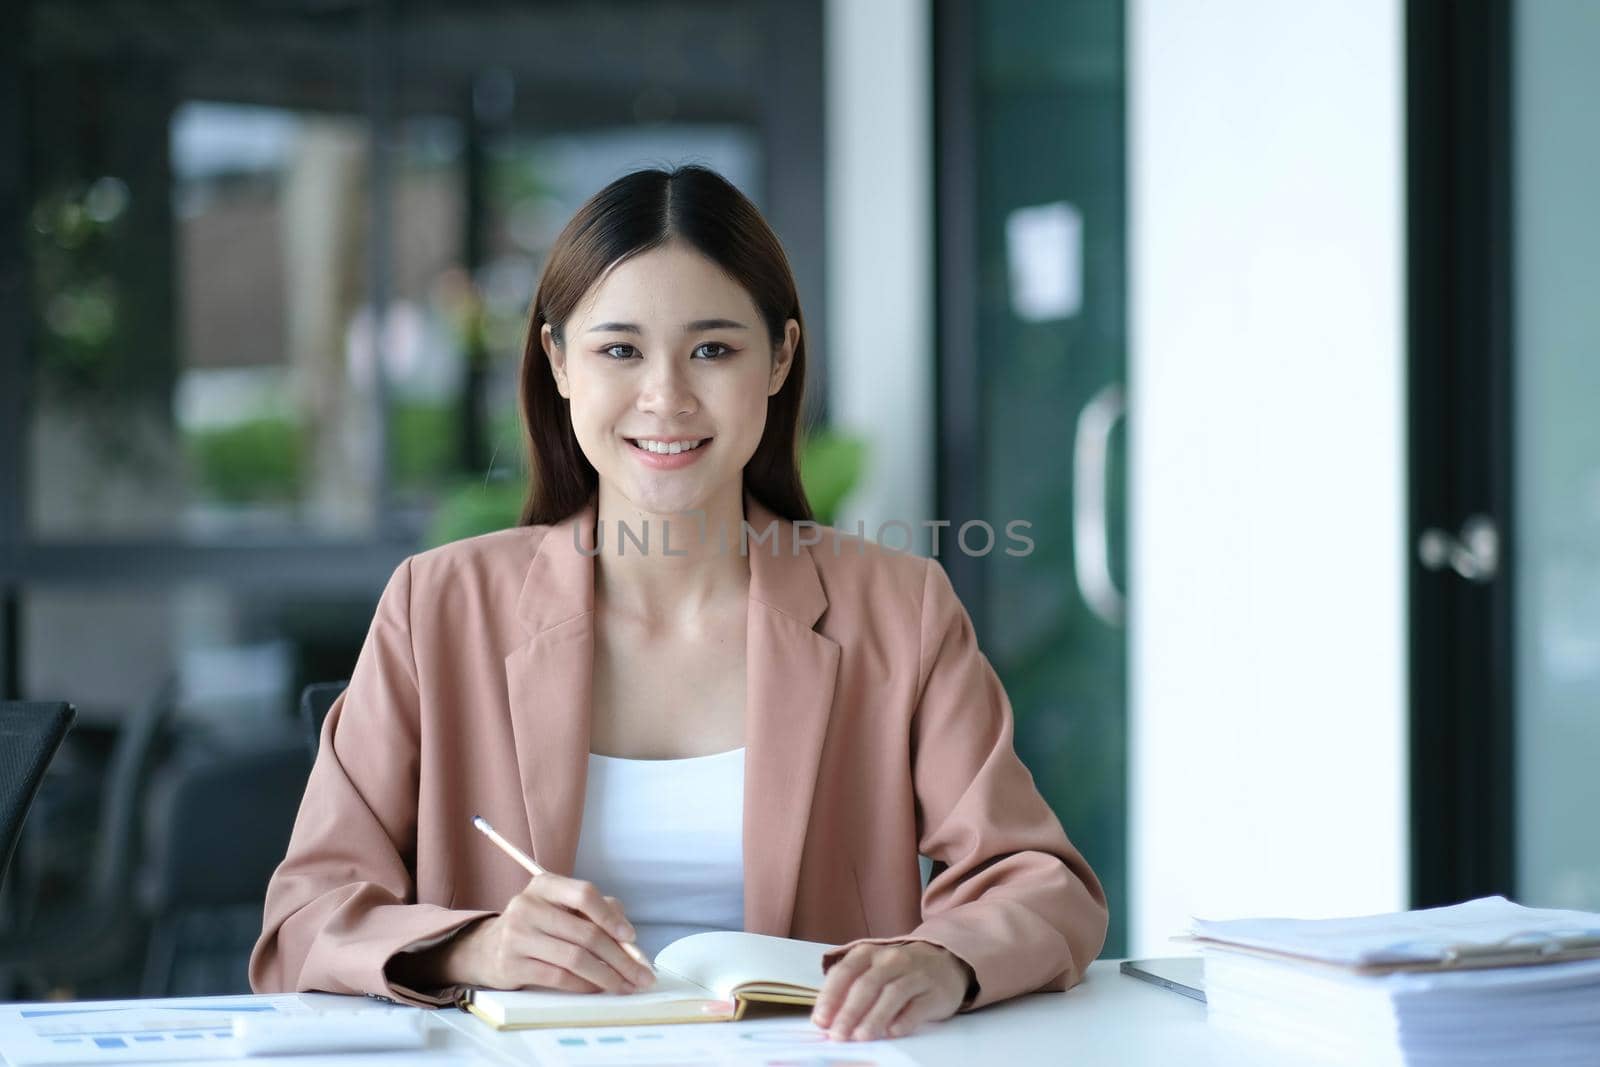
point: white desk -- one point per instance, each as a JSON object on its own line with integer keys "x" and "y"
{"x": 1108, "y": 1019}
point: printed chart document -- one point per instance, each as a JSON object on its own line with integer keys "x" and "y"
{"x": 752, "y": 1043}
{"x": 208, "y": 1030}
{"x": 129, "y": 1031}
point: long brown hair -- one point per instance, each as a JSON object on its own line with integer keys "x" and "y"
{"x": 634, "y": 214}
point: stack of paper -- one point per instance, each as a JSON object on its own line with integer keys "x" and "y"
{"x": 1485, "y": 982}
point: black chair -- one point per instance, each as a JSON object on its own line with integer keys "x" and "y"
{"x": 315, "y": 702}
{"x": 98, "y": 937}
{"x": 219, "y": 824}
{"x": 217, "y": 827}
{"x": 30, "y": 734}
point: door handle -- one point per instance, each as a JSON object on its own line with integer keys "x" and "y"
{"x": 1091, "y": 547}
{"x": 1475, "y": 555}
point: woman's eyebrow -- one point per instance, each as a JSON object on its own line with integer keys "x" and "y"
{"x": 688, "y": 327}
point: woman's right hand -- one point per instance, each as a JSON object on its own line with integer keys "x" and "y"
{"x": 558, "y": 933}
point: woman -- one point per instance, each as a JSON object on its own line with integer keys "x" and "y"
{"x": 756, "y": 723}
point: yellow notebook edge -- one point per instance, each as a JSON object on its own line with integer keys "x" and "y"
{"x": 708, "y": 1017}
{"x": 740, "y": 1002}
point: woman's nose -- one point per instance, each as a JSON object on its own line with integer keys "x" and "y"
{"x": 665, "y": 392}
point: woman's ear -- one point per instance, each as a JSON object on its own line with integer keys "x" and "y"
{"x": 557, "y": 357}
{"x": 783, "y": 357}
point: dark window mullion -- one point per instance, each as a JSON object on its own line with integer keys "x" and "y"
{"x": 1460, "y": 438}
{"x": 958, "y": 385}
{"x": 289, "y": 565}
{"x": 16, "y": 361}
{"x": 380, "y": 63}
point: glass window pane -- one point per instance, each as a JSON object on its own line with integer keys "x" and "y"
{"x": 1557, "y": 448}
{"x": 199, "y": 206}
{"x": 235, "y": 658}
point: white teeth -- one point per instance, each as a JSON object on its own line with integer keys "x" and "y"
{"x": 668, "y": 450}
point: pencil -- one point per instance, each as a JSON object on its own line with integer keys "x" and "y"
{"x": 527, "y": 863}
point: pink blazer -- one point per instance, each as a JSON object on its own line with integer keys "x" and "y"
{"x": 875, "y": 729}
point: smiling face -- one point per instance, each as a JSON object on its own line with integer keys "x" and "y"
{"x": 666, "y": 347}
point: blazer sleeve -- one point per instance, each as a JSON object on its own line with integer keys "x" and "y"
{"x": 1016, "y": 900}
{"x": 343, "y": 901}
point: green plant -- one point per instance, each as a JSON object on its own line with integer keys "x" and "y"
{"x": 475, "y": 507}
{"x": 423, "y": 442}
{"x": 830, "y": 466}
{"x": 80, "y": 307}
{"x": 252, "y": 461}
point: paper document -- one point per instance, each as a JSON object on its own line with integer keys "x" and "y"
{"x": 1428, "y": 935}
{"x": 778, "y": 1042}
{"x": 1485, "y": 983}
{"x": 129, "y": 1031}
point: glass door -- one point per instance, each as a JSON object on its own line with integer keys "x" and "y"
{"x": 1033, "y": 325}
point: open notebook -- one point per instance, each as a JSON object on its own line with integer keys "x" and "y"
{"x": 702, "y": 978}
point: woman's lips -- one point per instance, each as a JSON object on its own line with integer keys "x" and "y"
{"x": 664, "y": 461}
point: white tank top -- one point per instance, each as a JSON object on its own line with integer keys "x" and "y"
{"x": 666, "y": 838}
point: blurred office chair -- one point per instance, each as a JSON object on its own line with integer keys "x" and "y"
{"x": 99, "y": 935}
{"x": 30, "y": 734}
{"x": 218, "y": 823}
{"x": 315, "y": 702}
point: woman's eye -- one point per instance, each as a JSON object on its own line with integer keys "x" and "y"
{"x": 708, "y": 350}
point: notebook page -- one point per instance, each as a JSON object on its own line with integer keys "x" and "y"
{"x": 1409, "y": 936}
{"x": 722, "y": 960}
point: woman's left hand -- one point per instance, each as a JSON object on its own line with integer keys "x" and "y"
{"x": 879, "y": 991}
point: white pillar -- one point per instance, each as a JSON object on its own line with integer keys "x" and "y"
{"x": 881, "y": 361}
{"x": 1268, "y": 715}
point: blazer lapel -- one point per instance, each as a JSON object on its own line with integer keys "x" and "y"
{"x": 790, "y": 671}
{"x": 550, "y": 685}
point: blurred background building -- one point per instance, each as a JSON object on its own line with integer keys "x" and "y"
{"x": 1275, "y": 323}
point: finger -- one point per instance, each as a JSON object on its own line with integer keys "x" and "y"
{"x": 583, "y": 898}
{"x": 531, "y": 917}
{"x": 569, "y": 926}
{"x": 836, "y": 986}
{"x": 620, "y": 920}
{"x": 918, "y": 1010}
{"x": 528, "y": 973}
{"x": 577, "y": 959}
{"x": 628, "y": 940}
{"x": 895, "y": 994}
{"x": 887, "y": 963}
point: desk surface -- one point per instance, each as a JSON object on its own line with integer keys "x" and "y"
{"x": 1107, "y": 1019}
